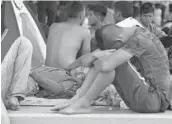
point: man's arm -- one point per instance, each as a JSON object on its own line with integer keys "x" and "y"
{"x": 86, "y": 44}
{"x": 85, "y": 60}
{"x": 89, "y": 58}
{"x": 109, "y": 63}
{"x": 134, "y": 47}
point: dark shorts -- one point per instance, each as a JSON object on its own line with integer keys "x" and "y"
{"x": 138, "y": 95}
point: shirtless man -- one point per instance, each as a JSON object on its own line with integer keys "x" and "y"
{"x": 66, "y": 39}
{"x": 151, "y": 95}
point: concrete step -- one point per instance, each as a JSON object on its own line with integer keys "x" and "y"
{"x": 100, "y": 115}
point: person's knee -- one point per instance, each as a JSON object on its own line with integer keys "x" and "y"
{"x": 26, "y": 44}
{"x": 110, "y": 74}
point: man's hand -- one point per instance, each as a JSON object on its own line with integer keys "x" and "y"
{"x": 85, "y": 60}
{"x": 99, "y": 53}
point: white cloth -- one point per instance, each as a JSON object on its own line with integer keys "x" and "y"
{"x": 86, "y": 23}
{"x": 28, "y": 28}
{"x": 129, "y": 22}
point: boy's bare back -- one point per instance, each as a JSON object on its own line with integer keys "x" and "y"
{"x": 64, "y": 42}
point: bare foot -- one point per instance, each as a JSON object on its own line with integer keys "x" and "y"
{"x": 12, "y": 103}
{"x": 63, "y": 105}
{"x": 79, "y": 107}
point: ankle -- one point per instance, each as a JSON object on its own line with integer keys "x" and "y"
{"x": 85, "y": 102}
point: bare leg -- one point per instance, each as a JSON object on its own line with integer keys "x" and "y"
{"x": 15, "y": 70}
{"x": 84, "y": 88}
{"x": 88, "y": 81}
{"x": 102, "y": 80}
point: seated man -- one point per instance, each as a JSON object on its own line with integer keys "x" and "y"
{"x": 150, "y": 94}
{"x": 66, "y": 39}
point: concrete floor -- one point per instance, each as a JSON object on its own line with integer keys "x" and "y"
{"x": 100, "y": 115}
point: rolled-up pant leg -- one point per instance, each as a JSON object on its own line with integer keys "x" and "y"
{"x": 15, "y": 69}
{"x": 138, "y": 95}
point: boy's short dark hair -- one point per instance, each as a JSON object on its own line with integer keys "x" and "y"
{"x": 146, "y": 8}
{"x": 74, "y": 8}
{"x": 97, "y": 8}
{"x": 125, "y": 7}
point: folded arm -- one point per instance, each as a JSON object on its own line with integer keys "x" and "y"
{"x": 109, "y": 63}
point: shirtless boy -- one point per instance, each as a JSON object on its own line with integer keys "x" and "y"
{"x": 151, "y": 95}
{"x": 66, "y": 39}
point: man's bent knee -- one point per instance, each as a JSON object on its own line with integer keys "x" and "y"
{"x": 110, "y": 74}
{"x": 25, "y": 43}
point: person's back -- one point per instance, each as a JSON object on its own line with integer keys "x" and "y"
{"x": 66, "y": 39}
{"x": 154, "y": 61}
{"x": 64, "y": 42}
